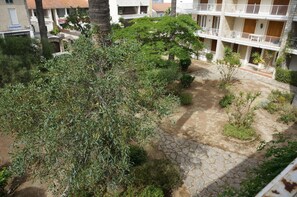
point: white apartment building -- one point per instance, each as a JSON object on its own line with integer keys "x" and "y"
{"x": 14, "y": 19}
{"x": 56, "y": 11}
{"x": 247, "y": 26}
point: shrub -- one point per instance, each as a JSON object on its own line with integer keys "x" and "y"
{"x": 279, "y": 97}
{"x": 163, "y": 75}
{"x": 186, "y": 80}
{"x": 4, "y": 175}
{"x": 240, "y": 133}
{"x": 286, "y": 76}
{"x": 226, "y": 100}
{"x": 186, "y": 98}
{"x": 185, "y": 63}
{"x": 152, "y": 191}
{"x": 137, "y": 155}
{"x": 287, "y": 118}
{"x": 160, "y": 173}
{"x": 271, "y": 107}
{"x": 242, "y": 112}
{"x": 209, "y": 56}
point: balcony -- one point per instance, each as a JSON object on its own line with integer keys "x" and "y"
{"x": 254, "y": 40}
{"x": 202, "y": 8}
{"x": 277, "y": 12}
{"x": 207, "y": 32}
{"x": 293, "y": 45}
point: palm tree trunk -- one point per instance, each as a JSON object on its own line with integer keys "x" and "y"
{"x": 173, "y": 8}
{"x": 42, "y": 29}
{"x": 100, "y": 20}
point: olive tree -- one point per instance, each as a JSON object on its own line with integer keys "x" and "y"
{"x": 73, "y": 124}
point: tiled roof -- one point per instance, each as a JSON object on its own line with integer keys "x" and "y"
{"x": 48, "y": 4}
{"x": 161, "y": 7}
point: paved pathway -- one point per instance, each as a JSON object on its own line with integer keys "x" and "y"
{"x": 206, "y": 169}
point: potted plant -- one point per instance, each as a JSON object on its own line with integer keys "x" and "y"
{"x": 257, "y": 59}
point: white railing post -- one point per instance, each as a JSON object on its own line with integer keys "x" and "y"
{"x": 277, "y": 10}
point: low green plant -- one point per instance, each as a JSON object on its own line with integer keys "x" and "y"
{"x": 4, "y": 175}
{"x": 280, "y": 61}
{"x": 257, "y": 59}
{"x": 160, "y": 173}
{"x": 209, "y": 56}
{"x": 184, "y": 64}
{"x": 240, "y": 133}
{"x": 186, "y": 80}
{"x": 242, "y": 110}
{"x": 279, "y": 153}
{"x": 55, "y": 31}
{"x": 137, "y": 155}
{"x": 152, "y": 191}
{"x": 186, "y": 98}
{"x": 286, "y": 76}
{"x": 287, "y": 118}
{"x": 226, "y": 100}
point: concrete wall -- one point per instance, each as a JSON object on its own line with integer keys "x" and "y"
{"x": 293, "y": 63}
{"x": 22, "y": 15}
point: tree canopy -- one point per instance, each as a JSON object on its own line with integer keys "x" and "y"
{"x": 73, "y": 123}
{"x": 164, "y": 35}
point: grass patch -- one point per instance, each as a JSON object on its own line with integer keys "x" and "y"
{"x": 240, "y": 133}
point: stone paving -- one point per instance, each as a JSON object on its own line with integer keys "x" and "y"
{"x": 206, "y": 169}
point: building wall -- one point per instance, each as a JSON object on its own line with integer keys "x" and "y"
{"x": 21, "y": 11}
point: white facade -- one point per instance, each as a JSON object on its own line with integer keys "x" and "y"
{"x": 245, "y": 28}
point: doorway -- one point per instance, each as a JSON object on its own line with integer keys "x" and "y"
{"x": 280, "y": 7}
{"x": 274, "y": 31}
{"x": 249, "y": 27}
{"x": 254, "y": 50}
{"x": 253, "y": 6}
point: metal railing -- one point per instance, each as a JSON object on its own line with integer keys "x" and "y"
{"x": 211, "y": 7}
{"x": 261, "y": 39}
{"x": 279, "y": 10}
{"x": 209, "y": 31}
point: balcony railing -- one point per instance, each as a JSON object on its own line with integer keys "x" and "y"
{"x": 293, "y": 43}
{"x": 279, "y": 10}
{"x": 255, "y": 38}
{"x": 209, "y": 31}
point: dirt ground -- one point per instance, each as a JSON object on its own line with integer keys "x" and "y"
{"x": 203, "y": 121}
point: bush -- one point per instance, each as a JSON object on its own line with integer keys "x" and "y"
{"x": 163, "y": 75}
{"x": 137, "y": 155}
{"x": 186, "y": 98}
{"x": 186, "y": 80}
{"x": 185, "y": 63}
{"x": 160, "y": 173}
{"x": 287, "y": 117}
{"x": 209, "y": 57}
{"x": 4, "y": 175}
{"x": 152, "y": 191}
{"x": 286, "y": 76}
{"x": 226, "y": 100}
{"x": 240, "y": 133}
{"x": 242, "y": 112}
{"x": 279, "y": 97}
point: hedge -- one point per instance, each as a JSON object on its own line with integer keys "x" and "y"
{"x": 286, "y": 76}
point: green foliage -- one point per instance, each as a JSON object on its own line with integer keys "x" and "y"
{"x": 227, "y": 100}
{"x": 76, "y": 120}
{"x": 186, "y": 98}
{"x": 286, "y": 76}
{"x": 137, "y": 155}
{"x": 79, "y": 20}
{"x": 209, "y": 56}
{"x": 279, "y": 154}
{"x": 160, "y": 173}
{"x": 185, "y": 63}
{"x": 18, "y": 55}
{"x": 279, "y": 62}
{"x": 152, "y": 191}
{"x": 4, "y": 175}
{"x": 186, "y": 80}
{"x": 242, "y": 111}
{"x": 280, "y": 102}
{"x": 240, "y": 133}
{"x": 55, "y": 31}
{"x": 228, "y": 66}
{"x": 163, "y": 36}
{"x": 257, "y": 59}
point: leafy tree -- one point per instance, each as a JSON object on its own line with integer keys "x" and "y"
{"x": 73, "y": 123}
{"x": 173, "y": 36}
{"x": 78, "y": 20}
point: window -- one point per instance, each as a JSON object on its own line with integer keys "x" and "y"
{"x": 13, "y": 16}
{"x": 61, "y": 12}
{"x": 9, "y": 1}
{"x": 201, "y": 20}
